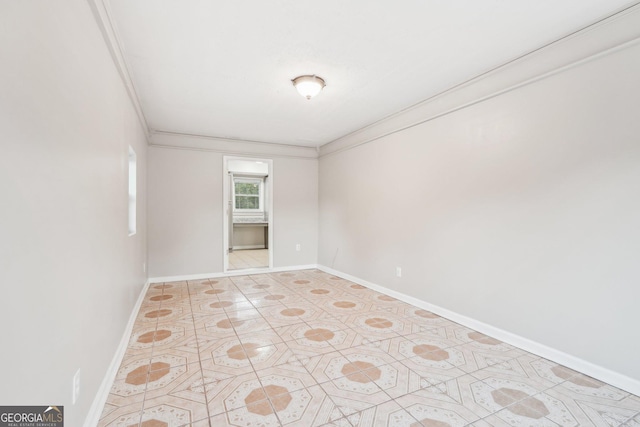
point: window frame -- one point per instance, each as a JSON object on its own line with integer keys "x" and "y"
{"x": 249, "y": 180}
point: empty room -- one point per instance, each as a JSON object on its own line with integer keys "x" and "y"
{"x": 305, "y": 214}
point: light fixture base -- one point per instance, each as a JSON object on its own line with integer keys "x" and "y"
{"x": 309, "y": 85}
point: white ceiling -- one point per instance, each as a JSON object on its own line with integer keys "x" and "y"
{"x": 224, "y": 68}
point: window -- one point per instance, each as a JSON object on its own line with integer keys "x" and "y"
{"x": 248, "y": 194}
{"x": 132, "y": 191}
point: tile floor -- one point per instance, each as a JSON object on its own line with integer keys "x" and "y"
{"x": 309, "y": 349}
{"x": 248, "y": 258}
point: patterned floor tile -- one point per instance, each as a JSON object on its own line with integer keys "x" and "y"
{"x": 283, "y": 315}
{"x": 430, "y": 413}
{"x": 264, "y": 336}
{"x": 166, "y": 314}
{"x": 306, "y": 348}
{"x": 378, "y": 325}
{"x": 226, "y": 355}
{"x": 372, "y": 355}
{"x": 397, "y": 380}
{"x": 328, "y": 366}
{"x": 122, "y": 416}
{"x": 610, "y": 407}
{"x": 217, "y": 326}
{"x": 191, "y": 387}
{"x": 454, "y": 393}
{"x": 523, "y": 403}
{"x": 482, "y": 423}
{"x": 443, "y": 334}
{"x": 357, "y": 390}
{"x": 164, "y": 379}
{"x": 173, "y": 411}
{"x": 634, "y": 422}
{"x": 271, "y": 299}
{"x": 318, "y": 340}
{"x": 264, "y": 356}
{"x": 512, "y": 370}
{"x": 318, "y": 410}
{"x": 184, "y": 351}
{"x": 426, "y": 367}
{"x": 346, "y": 304}
{"x": 245, "y": 417}
{"x": 507, "y": 417}
{"x": 227, "y": 393}
{"x": 388, "y": 414}
{"x": 201, "y": 423}
{"x": 342, "y": 422}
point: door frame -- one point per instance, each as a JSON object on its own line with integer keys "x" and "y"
{"x": 225, "y": 211}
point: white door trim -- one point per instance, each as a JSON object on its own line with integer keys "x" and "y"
{"x": 225, "y": 204}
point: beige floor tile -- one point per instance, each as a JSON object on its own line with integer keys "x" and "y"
{"x": 634, "y": 422}
{"x": 305, "y": 348}
{"x": 354, "y": 392}
{"x": 248, "y": 258}
{"x": 264, "y": 336}
{"x": 464, "y": 395}
{"x": 217, "y": 325}
{"x": 164, "y": 379}
{"x": 225, "y": 391}
{"x": 310, "y": 407}
{"x": 122, "y": 416}
{"x": 285, "y": 315}
{"x": 327, "y": 367}
{"x": 255, "y": 415}
{"x": 223, "y": 352}
{"x": 387, "y": 414}
{"x": 174, "y": 411}
{"x": 601, "y": 405}
{"x": 369, "y": 354}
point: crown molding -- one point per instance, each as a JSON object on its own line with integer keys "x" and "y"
{"x": 615, "y": 32}
{"x": 184, "y": 141}
{"x": 102, "y": 15}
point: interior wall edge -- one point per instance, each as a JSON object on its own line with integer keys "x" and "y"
{"x": 620, "y": 31}
{"x": 601, "y": 373}
{"x": 100, "y": 399}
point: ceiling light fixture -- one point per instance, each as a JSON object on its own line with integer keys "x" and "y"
{"x": 308, "y": 86}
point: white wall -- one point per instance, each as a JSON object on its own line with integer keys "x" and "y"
{"x": 248, "y": 237}
{"x": 70, "y": 274}
{"x": 521, "y": 211}
{"x": 186, "y": 208}
{"x": 185, "y": 212}
{"x": 295, "y": 211}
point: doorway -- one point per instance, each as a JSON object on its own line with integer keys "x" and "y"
{"x": 248, "y": 202}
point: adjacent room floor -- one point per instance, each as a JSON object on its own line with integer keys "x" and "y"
{"x": 248, "y": 258}
{"x": 309, "y": 349}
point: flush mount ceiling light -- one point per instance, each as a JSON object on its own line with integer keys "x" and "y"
{"x": 308, "y": 86}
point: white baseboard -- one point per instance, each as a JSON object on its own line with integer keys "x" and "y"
{"x": 240, "y": 248}
{"x": 243, "y": 272}
{"x": 603, "y": 374}
{"x": 93, "y": 417}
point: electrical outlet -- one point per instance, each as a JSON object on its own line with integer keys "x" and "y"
{"x": 398, "y": 272}
{"x": 144, "y": 267}
{"x": 298, "y": 247}
{"x": 76, "y": 387}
